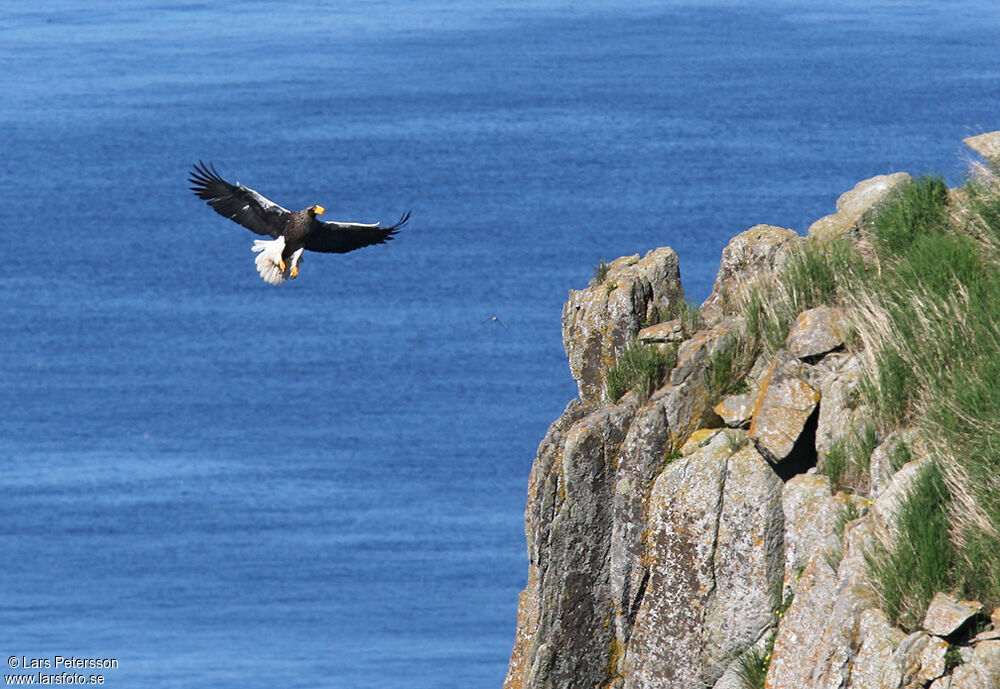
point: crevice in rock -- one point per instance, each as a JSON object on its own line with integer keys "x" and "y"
{"x": 803, "y": 454}
{"x": 634, "y": 609}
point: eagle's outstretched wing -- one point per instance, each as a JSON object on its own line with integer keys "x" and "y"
{"x": 341, "y": 237}
{"x": 237, "y": 202}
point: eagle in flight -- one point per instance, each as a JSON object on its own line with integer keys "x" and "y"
{"x": 293, "y": 232}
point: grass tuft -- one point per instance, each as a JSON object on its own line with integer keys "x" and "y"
{"x": 601, "y": 271}
{"x": 641, "y": 368}
{"x": 848, "y": 460}
{"x": 752, "y": 666}
{"x": 908, "y": 572}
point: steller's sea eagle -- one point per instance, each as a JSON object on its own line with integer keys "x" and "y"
{"x": 293, "y": 232}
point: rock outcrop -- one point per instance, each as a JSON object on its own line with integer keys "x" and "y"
{"x": 601, "y": 321}
{"x": 855, "y": 206}
{"x": 671, "y": 539}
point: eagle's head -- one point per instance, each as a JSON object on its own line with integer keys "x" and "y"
{"x": 316, "y": 210}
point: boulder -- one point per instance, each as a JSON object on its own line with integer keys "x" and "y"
{"x": 666, "y": 644}
{"x": 886, "y": 508}
{"x": 784, "y": 405}
{"x": 932, "y": 660}
{"x": 981, "y": 670}
{"x": 854, "y": 207}
{"x": 599, "y": 322}
{"x": 714, "y": 549}
{"x": 987, "y": 145}
{"x": 881, "y": 468}
{"x": 815, "y": 332}
{"x": 946, "y": 615}
{"x": 567, "y": 614}
{"x": 693, "y": 353}
{"x": 749, "y": 562}
{"x": 735, "y": 410}
{"x": 879, "y": 640}
{"x": 818, "y": 636}
{"x": 836, "y": 377}
{"x": 671, "y": 331}
{"x": 797, "y": 646}
{"x": 810, "y": 514}
{"x": 687, "y": 407}
{"x": 641, "y": 457}
{"x": 749, "y": 255}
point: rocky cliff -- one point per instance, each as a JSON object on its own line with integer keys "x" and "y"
{"x": 692, "y": 537}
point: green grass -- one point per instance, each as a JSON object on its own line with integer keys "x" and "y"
{"x": 641, "y": 368}
{"x": 916, "y": 210}
{"x": 847, "y": 462}
{"x": 688, "y": 314}
{"x": 752, "y": 667}
{"x": 726, "y": 368}
{"x": 813, "y": 275}
{"x": 601, "y": 271}
{"x": 899, "y": 455}
{"x": 921, "y": 290}
{"x": 929, "y": 318}
{"x": 847, "y": 512}
{"x": 907, "y": 575}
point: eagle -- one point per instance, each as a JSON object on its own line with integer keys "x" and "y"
{"x": 293, "y": 232}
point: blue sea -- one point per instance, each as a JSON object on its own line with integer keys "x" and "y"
{"x": 219, "y": 483}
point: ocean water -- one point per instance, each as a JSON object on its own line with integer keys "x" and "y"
{"x": 223, "y": 484}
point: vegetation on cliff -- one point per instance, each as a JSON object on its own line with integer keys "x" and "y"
{"x": 921, "y": 287}
{"x": 792, "y": 485}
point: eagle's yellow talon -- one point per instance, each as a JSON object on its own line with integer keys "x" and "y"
{"x": 281, "y": 265}
{"x": 295, "y": 271}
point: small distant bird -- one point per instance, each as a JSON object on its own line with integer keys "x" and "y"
{"x": 293, "y": 232}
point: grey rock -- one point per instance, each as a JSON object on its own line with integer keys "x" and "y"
{"x": 735, "y": 411}
{"x": 810, "y": 513}
{"x": 670, "y": 331}
{"x": 640, "y": 459}
{"x": 818, "y": 636}
{"x": 666, "y": 643}
{"x": 691, "y": 355}
{"x": 880, "y": 467}
{"x": 836, "y": 378}
{"x": 879, "y": 640}
{"x": 748, "y": 257}
{"x": 852, "y": 596}
{"x": 784, "y": 404}
{"x": 687, "y": 407}
{"x": 987, "y": 145}
{"x": 981, "y": 670}
{"x": 816, "y": 331}
{"x": 599, "y": 322}
{"x": 797, "y": 647}
{"x": 885, "y": 510}
{"x": 988, "y": 635}
{"x": 854, "y": 207}
{"x": 731, "y": 679}
{"x": 749, "y": 562}
{"x": 568, "y": 615}
{"x": 932, "y": 660}
{"x": 715, "y": 534}
{"x": 946, "y": 615}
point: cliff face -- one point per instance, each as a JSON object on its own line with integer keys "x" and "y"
{"x": 671, "y": 539}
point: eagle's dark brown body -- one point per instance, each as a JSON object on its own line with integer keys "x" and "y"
{"x": 297, "y": 229}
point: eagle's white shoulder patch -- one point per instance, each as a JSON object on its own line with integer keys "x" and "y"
{"x": 269, "y": 259}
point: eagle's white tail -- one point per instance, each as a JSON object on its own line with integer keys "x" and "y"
{"x": 269, "y": 259}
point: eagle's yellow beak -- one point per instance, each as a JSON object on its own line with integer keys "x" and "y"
{"x": 319, "y": 210}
